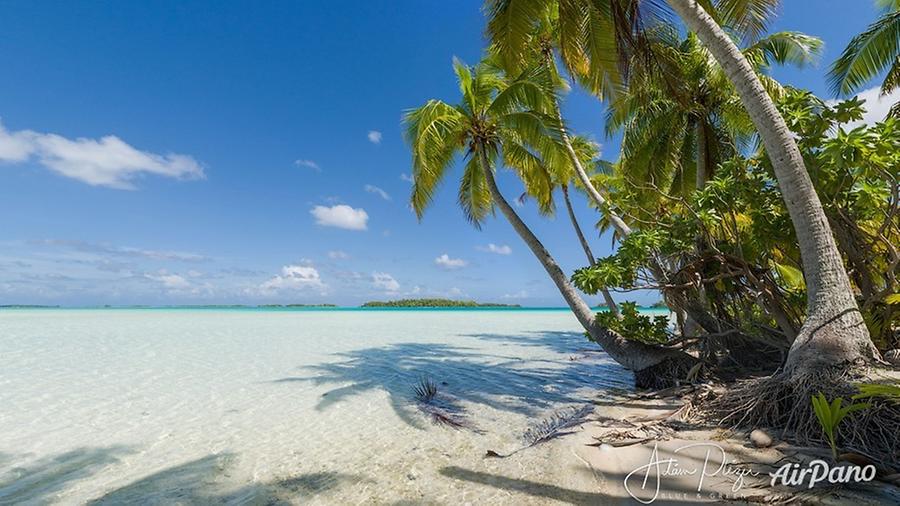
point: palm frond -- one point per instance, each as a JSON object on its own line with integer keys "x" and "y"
{"x": 784, "y": 48}
{"x": 510, "y": 26}
{"x": 892, "y": 79}
{"x": 524, "y": 93}
{"x": 435, "y": 134}
{"x": 474, "y": 198}
{"x": 533, "y": 173}
{"x": 867, "y": 55}
{"x": 749, "y": 19}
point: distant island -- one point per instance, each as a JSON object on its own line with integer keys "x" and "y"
{"x": 296, "y": 305}
{"x": 659, "y": 305}
{"x": 433, "y": 303}
{"x": 26, "y": 306}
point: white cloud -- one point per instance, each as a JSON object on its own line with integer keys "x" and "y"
{"x": 16, "y": 146}
{"x": 172, "y": 282}
{"x": 338, "y": 255}
{"x": 406, "y": 177}
{"x": 293, "y": 277}
{"x": 109, "y": 161}
{"x": 384, "y": 281}
{"x": 377, "y": 191}
{"x": 521, "y": 294}
{"x": 340, "y": 216}
{"x": 877, "y": 106}
{"x": 493, "y": 248}
{"x": 445, "y": 262}
{"x": 374, "y": 136}
{"x": 123, "y": 251}
{"x": 309, "y": 164}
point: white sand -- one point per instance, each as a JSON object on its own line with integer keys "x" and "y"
{"x": 178, "y": 406}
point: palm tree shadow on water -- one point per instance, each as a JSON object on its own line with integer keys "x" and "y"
{"x": 527, "y": 384}
{"x": 40, "y": 479}
{"x": 200, "y": 481}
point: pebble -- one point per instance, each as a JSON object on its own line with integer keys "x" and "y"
{"x": 760, "y": 439}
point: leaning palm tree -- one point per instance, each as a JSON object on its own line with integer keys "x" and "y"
{"x": 539, "y": 55}
{"x": 869, "y": 54}
{"x": 834, "y": 333}
{"x": 505, "y": 122}
{"x": 680, "y": 115}
{"x": 585, "y": 152}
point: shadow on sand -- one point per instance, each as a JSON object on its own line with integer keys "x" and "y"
{"x": 507, "y": 382}
{"x": 39, "y": 480}
{"x": 673, "y": 493}
{"x": 200, "y": 481}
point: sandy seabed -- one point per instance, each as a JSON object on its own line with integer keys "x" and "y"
{"x": 307, "y": 407}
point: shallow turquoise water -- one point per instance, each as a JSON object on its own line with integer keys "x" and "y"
{"x": 260, "y": 405}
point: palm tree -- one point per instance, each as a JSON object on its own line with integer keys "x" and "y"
{"x": 834, "y": 332}
{"x": 538, "y": 55}
{"x": 585, "y": 152}
{"x": 506, "y": 121}
{"x": 681, "y": 116}
{"x": 535, "y": 50}
{"x": 869, "y": 54}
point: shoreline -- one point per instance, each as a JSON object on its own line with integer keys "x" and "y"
{"x": 648, "y": 310}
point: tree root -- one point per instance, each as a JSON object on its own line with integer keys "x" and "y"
{"x": 783, "y": 402}
{"x": 678, "y": 370}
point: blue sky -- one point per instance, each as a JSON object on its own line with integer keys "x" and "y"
{"x": 238, "y": 152}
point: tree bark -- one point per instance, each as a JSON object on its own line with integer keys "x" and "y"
{"x": 631, "y": 354}
{"x": 834, "y": 332}
{"x": 691, "y": 305}
{"x": 702, "y": 174}
{"x": 617, "y": 222}
{"x": 610, "y": 302}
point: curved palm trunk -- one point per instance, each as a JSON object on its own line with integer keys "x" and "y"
{"x": 617, "y": 222}
{"x": 833, "y": 332}
{"x": 632, "y": 355}
{"x": 607, "y": 298}
{"x": 681, "y": 302}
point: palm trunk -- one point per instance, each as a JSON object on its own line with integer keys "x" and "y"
{"x": 680, "y": 301}
{"x": 632, "y": 355}
{"x": 617, "y": 222}
{"x": 701, "y": 176}
{"x": 610, "y": 303}
{"x": 702, "y": 156}
{"x": 834, "y": 332}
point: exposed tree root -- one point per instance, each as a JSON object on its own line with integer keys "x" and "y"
{"x": 677, "y": 370}
{"x": 782, "y": 402}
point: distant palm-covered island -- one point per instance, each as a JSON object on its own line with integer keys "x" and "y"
{"x": 297, "y": 305}
{"x": 433, "y": 303}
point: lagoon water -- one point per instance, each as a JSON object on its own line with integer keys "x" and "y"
{"x": 180, "y": 406}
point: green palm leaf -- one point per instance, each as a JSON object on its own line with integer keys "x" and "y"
{"x": 474, "y": 197}
{"x": 867, "y": 55}
{"x": 783, "y": 48}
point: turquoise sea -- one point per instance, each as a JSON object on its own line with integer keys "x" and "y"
{"x": 284, "y": 405}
